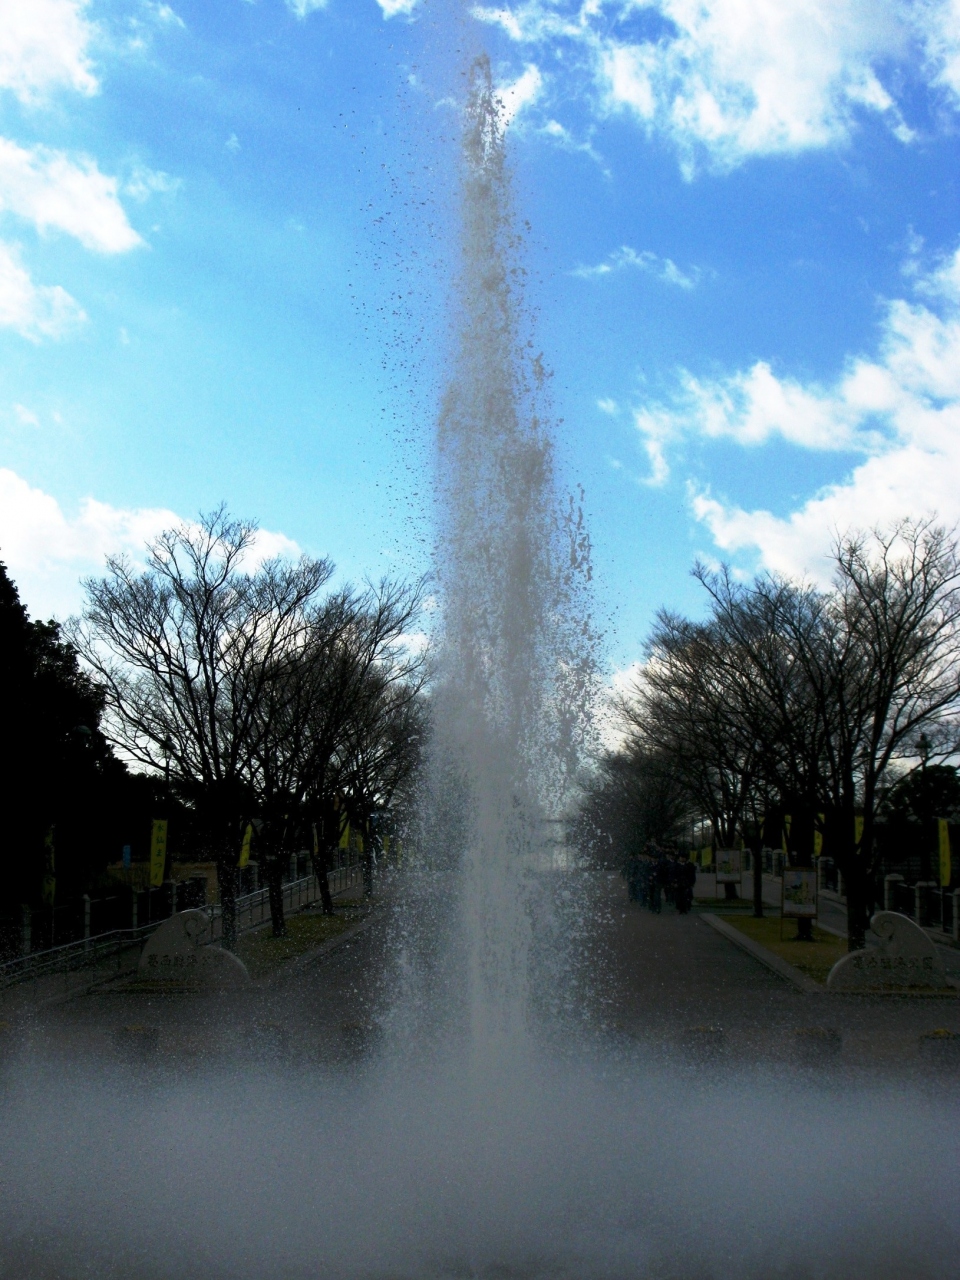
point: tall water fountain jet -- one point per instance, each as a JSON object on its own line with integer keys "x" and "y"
{"x": 515, "y": 659}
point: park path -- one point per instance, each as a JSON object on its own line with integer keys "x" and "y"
{"x": 655, "y": 979}
{"x": 669, "y": 974}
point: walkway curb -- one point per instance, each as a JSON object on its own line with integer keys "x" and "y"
{"x": 773, "y": 962}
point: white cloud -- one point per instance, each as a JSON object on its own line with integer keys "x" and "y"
{"x": 26, "y": 417}
{"x": 163, "y": 15}
{"x": 939, "y": 28}
{"x": 50, "y": 190}
{"x": 728, "y": 79}
{"x": 35, "y": 311}
{"x": 302, "y": 7}
{"x": 753, "y": 408}
{"x": 520, "y": 93}
{"x": 664, "y": 269}
{"x": 44, "y": 46}
{"x": 397, "y": 8}
{"x": 268, "y": 544}
{"x": 900, "y": 409}
{"x": 48, "y": 552}
{"x": 143, "y": 183}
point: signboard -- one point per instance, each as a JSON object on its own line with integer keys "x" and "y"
{"x": 943, "y": 827}
{"x": 728, "y": 866}
{"x": 799, "y": 893}
{"x": 158, "y": 852}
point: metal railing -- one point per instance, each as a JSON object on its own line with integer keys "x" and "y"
{"x": 73, "y": 955}
{"x": 252, "y": 910}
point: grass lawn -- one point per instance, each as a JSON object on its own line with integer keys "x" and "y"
{"x": 261, "y": 952}
{"x": 815, "y": 959}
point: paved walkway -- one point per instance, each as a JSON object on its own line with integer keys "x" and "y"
{"x": 672, "y": 973}
{"x": 656, "y": 979}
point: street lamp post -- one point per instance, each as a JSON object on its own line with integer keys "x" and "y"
{"x": 167, "y": 752}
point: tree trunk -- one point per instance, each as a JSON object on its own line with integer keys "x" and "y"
{"x": 275, "y": 896}
{"x": 227, "y": 874}
{"x": 856, "y": 903}
{"x": 321, "y": 866}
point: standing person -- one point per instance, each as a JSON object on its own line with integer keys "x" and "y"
{"x": 687, "y": 878}
{"x": 631, "y": 872}
{"x": 644, "y": 874}
{"x": 671, "y": 879}
{"x": 657, "y": 877}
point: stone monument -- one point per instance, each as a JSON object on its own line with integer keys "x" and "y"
{"x": 901, "y": 958}
{"x": 179, "y": 951}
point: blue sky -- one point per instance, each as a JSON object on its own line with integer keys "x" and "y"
{"x": 227, "y": 231}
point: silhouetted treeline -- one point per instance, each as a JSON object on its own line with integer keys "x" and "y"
{"x": 68, "y": 803}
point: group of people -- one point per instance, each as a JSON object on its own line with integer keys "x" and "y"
{"x": 656, "y": 874}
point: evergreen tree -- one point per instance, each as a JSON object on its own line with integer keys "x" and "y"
{"x": 57, "y": 772}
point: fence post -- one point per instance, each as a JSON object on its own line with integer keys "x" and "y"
{"x": 86, "y": 921}
{"x": 956, "y": 915}
{"x": 889, "y": 901}
{"x": 26, "y": 929}
{"x": 133, "y": 911}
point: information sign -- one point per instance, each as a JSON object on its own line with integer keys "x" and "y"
{"x": 799, "y": 893}
{"x": 728, "y": 866}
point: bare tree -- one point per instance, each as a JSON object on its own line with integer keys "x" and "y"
{"x": 632, "y": 797}
{"x": 325, "y": 749}
{"x": 185, "y": 650}
{"x": 838, "y": 685}
{"x": 891, "y": 667}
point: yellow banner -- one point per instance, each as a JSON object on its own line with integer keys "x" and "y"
{"x": 345, "y": 836}
{"x": 858, "y": 829}
{"x": 818, "y": 836}
{"x": 245, "y": 846}
{"x": 158, "y": 852}
{"x": 946, "y": 871}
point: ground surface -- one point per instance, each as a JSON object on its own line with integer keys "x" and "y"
{"x": 671, "y": 974}
{"x": 661, "y": 978}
